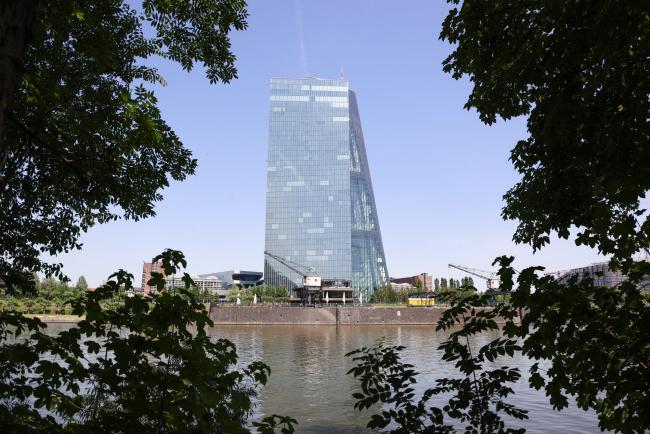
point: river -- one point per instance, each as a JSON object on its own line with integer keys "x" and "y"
{"x": 309, "y": 382}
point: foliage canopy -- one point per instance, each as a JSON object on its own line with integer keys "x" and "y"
{"x": 476, "y": 398}
{"x": 386, "y": 294}
{"x": 84, "y": 141}
{"x": 148, "y": 365}
{"x": 580, "y": 72}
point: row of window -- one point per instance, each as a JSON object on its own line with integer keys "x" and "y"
{"x": 303, "y": 184}
{"x": 324, "y": 88}
{"x": 307, "y": 98}
{"x": 300, "y": 109}
{"x": 299, "y": 83}
{"x": 334, "y": 118}
{"x": 295, "y": 98}
{"x": 326, "y": 223}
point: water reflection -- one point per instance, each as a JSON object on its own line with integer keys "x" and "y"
{"x": 309, "y": 381}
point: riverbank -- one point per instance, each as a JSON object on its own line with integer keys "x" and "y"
{"x": 335, "y": 315}
{"x": 54, "y": 318}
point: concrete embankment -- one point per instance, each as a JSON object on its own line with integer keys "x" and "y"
{"x": 259, "y": 315}
{"x": 72, "y": 319}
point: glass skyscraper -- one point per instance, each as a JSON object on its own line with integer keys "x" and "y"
{"x": 320, "y": 207}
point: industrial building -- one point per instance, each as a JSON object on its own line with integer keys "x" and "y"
{"x": 598, "y": 271}
{"x": 425, "y": 278}
{"x": 320, "y": 206}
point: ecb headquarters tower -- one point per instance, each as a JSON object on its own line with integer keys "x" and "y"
{"x": 320, "y": 208}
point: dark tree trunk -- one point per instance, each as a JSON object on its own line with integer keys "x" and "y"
{"x": 16, "y": 17}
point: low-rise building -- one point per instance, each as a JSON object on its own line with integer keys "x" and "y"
{"x": 218, "y": 282}
{"x": 209, "y": 282}
{"x": 425, "y": 278}
{"x": 239, "y": 278}
{"x": 203, "y": 282}
{"x": 599, "y": 272}
{"x": 402, "y": 287}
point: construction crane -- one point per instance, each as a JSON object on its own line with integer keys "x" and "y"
{"x": 311, "y": 280}
{"x": 493, "y": 282}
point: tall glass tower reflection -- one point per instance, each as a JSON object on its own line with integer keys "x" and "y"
{"x": 320, "y": 207}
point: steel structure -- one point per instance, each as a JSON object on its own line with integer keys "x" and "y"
{"x": 492, "y": 281}
{"x": 313, "y": 285}
{"x": 311, "y": 281}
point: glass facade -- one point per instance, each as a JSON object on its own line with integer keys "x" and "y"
{"x": 320, "y": 208}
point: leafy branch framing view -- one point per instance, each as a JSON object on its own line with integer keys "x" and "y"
{"x": 580, "y": 72}
{"x": 146, "y": 365}
{"x": 82, "y": 142}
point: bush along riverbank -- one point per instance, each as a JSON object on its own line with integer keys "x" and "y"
{"x": 165, "y": 373}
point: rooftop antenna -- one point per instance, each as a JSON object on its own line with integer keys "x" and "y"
{"x": 341, "y": 75}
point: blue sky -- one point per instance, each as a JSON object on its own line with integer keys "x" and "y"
{"x": 438, "y": 173}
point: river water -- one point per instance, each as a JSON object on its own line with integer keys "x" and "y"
{"x": 309, "y": 382}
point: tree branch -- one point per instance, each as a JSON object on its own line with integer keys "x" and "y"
{"x": 43, "y": 144}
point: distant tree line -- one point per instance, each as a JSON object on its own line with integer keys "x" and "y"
{"x": 441, "y": 284}
{"x": 264, "y": 293}
{"x": 448, "y": 289}
{"x": 50, "y": 296}
{"x": 387, "y": 295}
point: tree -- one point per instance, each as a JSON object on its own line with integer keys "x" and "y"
{"x": 419, "y": 284}
{"x": 51, "y": 288}
{"x": 37, "y": 281}
{"x": 436, "y": 284}
{"x": 234, "y": 292}
{"x": 264, "y": 293}
{"x": 16, "y": 18}
{"x": 443, "y": 283}
{"x": 81, "y": 285}
{"x": 166, "y": 374}
{"x": 82, "y": 140}
{"x": 477, "y": 399}
{"x": 386, "y": 294}
{"x": 580, "y": 73}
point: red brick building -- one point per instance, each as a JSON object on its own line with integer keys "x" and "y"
{"x": 147, "y": 269}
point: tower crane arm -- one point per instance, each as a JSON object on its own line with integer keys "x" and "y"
{"x": 486, "y": 275}
{"x": 292, "y": 265}
{"x": 285, "y": 263}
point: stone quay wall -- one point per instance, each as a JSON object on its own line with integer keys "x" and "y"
{"x": 336, "y": 315}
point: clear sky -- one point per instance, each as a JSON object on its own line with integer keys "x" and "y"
{"x": 438, "y": 173}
